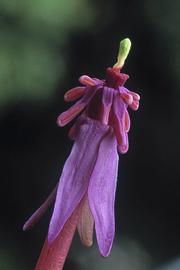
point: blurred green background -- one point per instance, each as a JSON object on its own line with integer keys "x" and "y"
{"x": 44, "y": 47}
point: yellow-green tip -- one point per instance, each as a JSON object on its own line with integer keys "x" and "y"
{"x": 124, "y": 48}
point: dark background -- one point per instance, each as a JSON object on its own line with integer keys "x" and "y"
{"x": 44, "y": 47}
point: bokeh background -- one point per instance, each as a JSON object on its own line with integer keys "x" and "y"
{"x": 44, "y": 47}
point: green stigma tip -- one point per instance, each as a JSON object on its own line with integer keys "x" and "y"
{"x": 124, "y": 48}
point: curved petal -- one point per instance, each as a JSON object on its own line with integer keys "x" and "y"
{"x": 127, "y": 121}
{"x": 101, "y": 192}
{"x": 76, "y": 174}
{"x": 107, "y": 99}
{"x": 128, "y": 99}
{"x": 118, "y": 112}
{"x": 86, "y": 224}
{"x": 65, "y": 117}
{"x": 135, "y": 105}
{"x": 135, "y": 95}
{"x": 124, "y": 148}
{"x": 86, "y": 80}
{"x": 74, "y": 93}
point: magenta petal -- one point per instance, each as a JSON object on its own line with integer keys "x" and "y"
{"x": 76, "y": 174}
{"x": 119, "y": 108}
{"x": 107, "y": 99}
{"x": 135, "y": 95}
{"x": 86, "y": 80}
{"x": 101, "y": 192}
{"x": 74, "y": 93}
{"x": 124, "y": 148}
{"x": 126, "y": 120}
{"x": 65, "y": 117}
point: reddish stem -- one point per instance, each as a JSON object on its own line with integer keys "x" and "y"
{"x": 53, "y": 256}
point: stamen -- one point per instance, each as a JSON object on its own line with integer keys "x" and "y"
{"x": 74, "y": 93}
{"x": 124, "y": 148}
{"x": 126, "y": 120}
{"x": 119, "y": 131}
{"x": 65, "y": 117}
{"x": 107, "y": 99}
{"x": 135, "y": 95}
{"x": 127, "y": 98}
{"x": 135, "y": 105}
{"x": 86, "y": 80}
{"x": 119, "y": 128}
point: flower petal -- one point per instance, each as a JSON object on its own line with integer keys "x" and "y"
{"x": 76, "y": 174}
{"x": 53, "y": 256}
{"x": 127, "y": 91}
{"x": 128, "y": 99}
{"x": 118, "y": 112}
{"x": 124, "y": 148}
{"x": 40, "y": 211}
{"x": 74, "y": 93}
{"x": 101, "y": 192}
{"x": 86, "y": 224}
{"x": 135, "y": 105}
{"x": 65, "y": 117}
{"x": 135, "y": 95}
{"x": 86, "y": 80}
{"x": 107, "y": 99}
{"x": 127, "y": 121}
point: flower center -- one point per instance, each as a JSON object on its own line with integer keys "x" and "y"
{"x": 114, "y": 78}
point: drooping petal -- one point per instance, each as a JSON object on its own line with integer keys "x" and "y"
{"x": 107, "y": 99}
{"x": 86, "y": 224}
{"x": 127, "y": 121}
{"x": 53, "y": 256}
{"x": 86, "y": 80}
{"x": 65, "y": 117}
{"x": 74, "y": 93}
{"x": 135, "y": 95}
{"x": 118, "y": 111}
{"x": 124, "y": 148}
{"x": 76, "y": 173}
{"x": 128, "y": 98}
{"x": 40, "y": 211}
{"x": 135, "y": 105}
{"x": 101, "y": 192}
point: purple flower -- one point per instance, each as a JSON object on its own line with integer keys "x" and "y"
{"x": 85, "y": 194}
